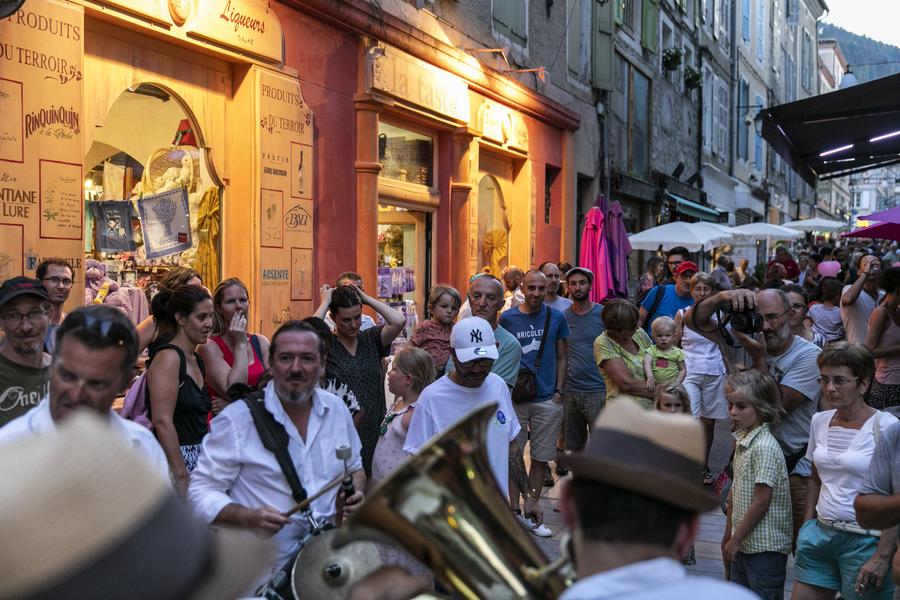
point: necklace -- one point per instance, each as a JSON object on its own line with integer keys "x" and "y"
{"x": 391, "y": 414}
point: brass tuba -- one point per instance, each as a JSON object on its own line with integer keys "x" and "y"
{"x": 444, "y": 507}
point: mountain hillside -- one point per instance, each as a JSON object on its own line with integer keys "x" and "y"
{"x": 862, "y": 51}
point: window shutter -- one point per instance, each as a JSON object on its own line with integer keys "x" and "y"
{"x": 745, "y": 20}
{"x": 501, "y": 15}
{"x": 573, "y": 36}
{"x": 761, "y": 30}
{"x": 602, "y": 43}
{"x": 699, "y": 12}
{"x": 619, "y": 10}
{"x": 519, "y": 20}
{"x": 650, "y": 25}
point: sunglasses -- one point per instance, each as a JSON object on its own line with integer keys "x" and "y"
{"x": 110, "y": 329}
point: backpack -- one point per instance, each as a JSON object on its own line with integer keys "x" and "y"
{"x": 660, "y": 292}
{"x": 137, "y": 407}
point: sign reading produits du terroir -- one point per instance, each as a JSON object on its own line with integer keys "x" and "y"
{"x": 398, "y": 74}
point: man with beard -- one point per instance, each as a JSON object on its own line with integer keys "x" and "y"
{"x": 860, "y": 299}
{"x": 788, "y": 358}
{"x": 585, "y": 390}
{"x": 56, "y": 275}
{"x": 91, "y": 364}
{"x": 24, "y": 368}
{"x": 239, "y": 483}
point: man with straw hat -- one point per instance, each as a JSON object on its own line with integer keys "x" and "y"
{"x": 83, "y": 517}
{"x": 633, "y": 507}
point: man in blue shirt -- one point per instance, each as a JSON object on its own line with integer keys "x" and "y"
{"x": 543, "y": 414}
{"x": 674, "y": 296}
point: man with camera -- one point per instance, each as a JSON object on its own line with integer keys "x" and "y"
{"x": 759, "y": 322}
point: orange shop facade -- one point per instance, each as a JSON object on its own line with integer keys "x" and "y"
{"x": 279, "y": 144}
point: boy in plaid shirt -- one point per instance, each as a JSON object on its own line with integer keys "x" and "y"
{"x": 758, "y": 530}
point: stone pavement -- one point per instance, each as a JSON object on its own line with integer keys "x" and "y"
{"x": 712, "y": 524}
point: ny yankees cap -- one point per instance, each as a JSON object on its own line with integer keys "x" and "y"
{"x": 473, "y": 339}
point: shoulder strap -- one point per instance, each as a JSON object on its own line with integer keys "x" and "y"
{"x": 660, "y": 292}
{"x": 182, "y": 364}
{"x": 257, "y": 349}
{"x": 275, "y": 439}
{"x": 540, "y": 354}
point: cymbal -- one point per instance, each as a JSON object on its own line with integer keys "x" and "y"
{"x": 325, "y": 572}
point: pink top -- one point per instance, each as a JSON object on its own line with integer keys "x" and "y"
{"x": 887, "y": 368}
{"x": 434, "y": 338}
{"x": 254, "y": 371}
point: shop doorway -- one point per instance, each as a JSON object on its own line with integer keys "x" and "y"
{"x": 493, "y": 226}
{"x": 404, "y": 257}
{"x": 152, "y": 199}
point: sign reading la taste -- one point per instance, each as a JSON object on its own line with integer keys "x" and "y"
{"x": 249, "y": 26}
{"x": 408, "y": 78}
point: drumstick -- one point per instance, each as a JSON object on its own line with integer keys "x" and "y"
{"x": 334, "y": 482}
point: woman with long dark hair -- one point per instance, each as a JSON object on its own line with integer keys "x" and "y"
{"x": 177, "y": 396}
{"x": 147, "y": 329}
{"x": 232, "y": 354}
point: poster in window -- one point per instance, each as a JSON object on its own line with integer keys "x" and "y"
{"x": 113, "y": 225}
{"x": 165, "y": 223}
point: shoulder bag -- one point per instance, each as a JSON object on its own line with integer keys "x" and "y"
{"x": 525, "y": 389}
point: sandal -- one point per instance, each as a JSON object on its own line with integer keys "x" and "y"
{"x": 708, "y": 478}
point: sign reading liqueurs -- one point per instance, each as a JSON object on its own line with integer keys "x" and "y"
{"x": 244, "y": 25}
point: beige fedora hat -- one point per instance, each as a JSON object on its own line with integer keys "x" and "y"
{"x": 655, "y": 454}
{"x": 83, "y": 517}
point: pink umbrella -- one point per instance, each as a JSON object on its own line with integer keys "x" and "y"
{"x": 891, "y": 215}
{"x": 595, "y": 253}
{"x": 879, "y": 231}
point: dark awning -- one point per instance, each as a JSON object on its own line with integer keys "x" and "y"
{"x": 698, "y": 211}
{"x": 838, "y": 133}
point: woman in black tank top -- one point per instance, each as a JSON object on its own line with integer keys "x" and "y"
{"x": 177, "y": 396}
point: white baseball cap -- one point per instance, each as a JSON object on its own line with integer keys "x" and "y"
{"x": 473, "y": 339}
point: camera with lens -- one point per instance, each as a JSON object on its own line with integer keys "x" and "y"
{"x": 747, "y": 321}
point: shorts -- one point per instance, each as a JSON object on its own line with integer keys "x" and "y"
{"x": 762, "y": 573}
{"x": 545, "y": 419}
{"x": 707, "y": 394}
{"x": 831, "y": 559}
{"x": 580, "y": 409}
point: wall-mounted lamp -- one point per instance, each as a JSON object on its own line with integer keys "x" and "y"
{"x": 539, "y": 72}
{"x": 375, "y": 51}
{"x": 503, "y": 52}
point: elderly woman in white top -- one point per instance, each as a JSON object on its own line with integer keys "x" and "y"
{"x": 705, "y": 379}
{"x": 833, "y": 552}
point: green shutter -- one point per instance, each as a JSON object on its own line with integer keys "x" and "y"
{"x": 650, "y": 25}
{"x": 500, "y": 12}
{"x": 602, "y": 43}
{"x": 519, "y": 20}
{"x": 620, "y": 10}
{"x": 698, "y": 18}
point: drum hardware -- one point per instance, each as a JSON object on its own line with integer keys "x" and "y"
{"x": 347, "y": 474}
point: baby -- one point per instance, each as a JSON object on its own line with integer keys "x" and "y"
{"x": 664, "y": 361}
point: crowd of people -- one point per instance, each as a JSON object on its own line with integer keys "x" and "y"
{"x": 801, "y": 355}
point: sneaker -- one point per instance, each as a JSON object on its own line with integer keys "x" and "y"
{"x": 540, "y": 530}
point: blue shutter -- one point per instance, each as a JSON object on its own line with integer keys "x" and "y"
{"x": 758, "y": 147}
{"x": 745, "y": 20}
{"x": 761, "y": 30}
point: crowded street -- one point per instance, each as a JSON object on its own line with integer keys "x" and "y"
{"x": 480, "y": 299}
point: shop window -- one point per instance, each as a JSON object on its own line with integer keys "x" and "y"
{"x": 149, "y": 190}
{"x": 493, "y": 226}
{"x": 406, "y": 155}
{"x": 550, "y": 175}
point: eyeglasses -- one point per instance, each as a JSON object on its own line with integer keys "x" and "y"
{"x": 798, "y": 306}
{"x": 110, "y": 329}
{"x": 64, "y": 281}
{"x": 16, "y": 318}
{"x": 837, "y": 381}
{"x": 673, "y": 264}
{"x": 772, "y": 318}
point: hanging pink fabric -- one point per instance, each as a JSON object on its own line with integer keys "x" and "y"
{"x": 619, "y": 248}
{"x": 595, "y": 253}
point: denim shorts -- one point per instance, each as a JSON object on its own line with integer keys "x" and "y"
{"x": 831, "y": 559}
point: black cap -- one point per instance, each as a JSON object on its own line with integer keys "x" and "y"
{"x": 19, "y": 286}
{"x": 584, "y": 271}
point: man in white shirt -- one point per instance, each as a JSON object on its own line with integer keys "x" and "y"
{"x": 92, "y": 362}
{"x": 469, "y": 386}
{"x": 239, "y": 483}
{"x": 631, "y": 531}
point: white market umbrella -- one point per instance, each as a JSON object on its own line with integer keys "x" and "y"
{"x": 761, "y": 231}
{"x": 816, "y": 224}
{"x": 693, "y": 236}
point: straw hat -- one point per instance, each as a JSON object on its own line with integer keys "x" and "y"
{"x": 650, "y": 453}
{"x": 83, "y": 517}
